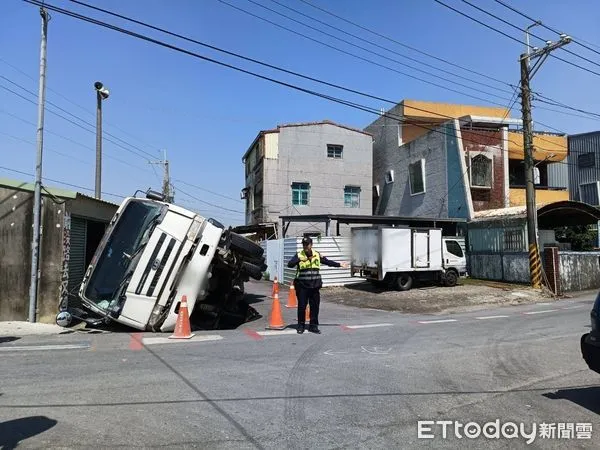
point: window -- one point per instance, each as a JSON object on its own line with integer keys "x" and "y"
{"x": 586, "y": 160}
{"x": 335, "y": 151}
{"x": 481, "y": 171}
{"x": 589, "y": 193}
{"x": 416, "y": 172}
{"x": 454, "y": 248}
{"x": 514, "y": 240}
{"x": 300, "y": 194}
{"x": 352, "y": 196}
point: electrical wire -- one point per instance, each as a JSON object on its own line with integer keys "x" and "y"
{"x": 60, "y": 182}
{"x": 209, "y": 191}
{"x": 404, "y": 45}
{"x": 207, "y": 203}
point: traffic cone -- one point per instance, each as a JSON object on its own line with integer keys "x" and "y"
{"x": 307, "y": 316}
{"x": 183, "y": 328}
{"x": 275, "y": 318}
{"x": 275, "y": 287}
{"x": 292, "y": 299}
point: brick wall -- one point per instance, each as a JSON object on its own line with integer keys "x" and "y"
{"x": 552, "y": 269}
{"x": 489, "y": 142}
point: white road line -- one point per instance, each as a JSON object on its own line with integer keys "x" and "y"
{"x": 574, "y": 307}
{"x": 275, "y": 332}
{"x": 166, "y": 340}
{"x": 541, "y": 312}
{"x": 491, "y": 317}
{"x": 31, "y": 348}
{"x": 369, "y": 325}
{"x": 437, "y": 321}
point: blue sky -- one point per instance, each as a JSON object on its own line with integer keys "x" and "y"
{"x": 206, "y": 116}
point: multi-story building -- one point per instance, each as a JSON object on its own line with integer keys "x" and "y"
{"x": 584, "y": 167}
{"x": 444, "y": 160}
{"x": 306, "y": 169}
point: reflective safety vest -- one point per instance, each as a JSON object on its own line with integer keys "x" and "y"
{"x": 308, "y": 268}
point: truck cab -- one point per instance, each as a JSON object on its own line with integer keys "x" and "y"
{"x": 153, "y": 253}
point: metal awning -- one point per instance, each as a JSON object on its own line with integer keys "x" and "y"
{"x": 349, "y": 219}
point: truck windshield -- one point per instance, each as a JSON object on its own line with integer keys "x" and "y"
{"x": 124, "y": 241}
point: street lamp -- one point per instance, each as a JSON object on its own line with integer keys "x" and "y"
{"x": 101, "y": 94}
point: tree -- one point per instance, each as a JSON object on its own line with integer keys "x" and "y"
{"x": 581, "y": 237}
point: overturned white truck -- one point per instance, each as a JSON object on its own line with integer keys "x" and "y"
{"x": 152, "y": 254}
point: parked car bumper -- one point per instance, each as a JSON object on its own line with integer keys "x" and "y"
{"x": 590, "y": 350}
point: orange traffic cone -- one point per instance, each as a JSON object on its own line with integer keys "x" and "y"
{"x": 292, "y": 299}
{"x": 275, "y": 287}
{"x": 276, "y": 319}
{"x": 307, "y": 316}
{"x": 183, "y": 329}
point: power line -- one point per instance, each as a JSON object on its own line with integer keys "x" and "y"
{"x": 512, "y": 37}
{"x": 72, "y": 115}
{"x": 252, "y": 60}
{"x": 209, "y": 191}
{"x": 208, "y": 203}
{"x": 367, "y": 60}
{"x": 60, "y": 182}
{"x": 575, "y": 40}
{"x": 248, "y": 72}
{"x": 328, "y": 25}
{"x": 86, "y": 110}
{"x": 532, "y": 34}
{"x": 404, "y": 45}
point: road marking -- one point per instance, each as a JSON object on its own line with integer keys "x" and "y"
{"x": 275, "y": 332}
{"x": 491, "y": 317}
{"x": 166, "y": 340}
{"x": 253, "y": 334}
{"x": 31, "y": 348}
{"x": 368, "y": 325}
{"x": 540, "y": 312}
{"x": 437, "y": 321}
{"x": 574, "y": 307}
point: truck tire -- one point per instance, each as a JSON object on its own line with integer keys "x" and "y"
{"x": 450, "y": 278}
{"x": 252, "y": 270}
{"x": 404, "y": 282}
{"x": 259, "y": 262}
{"x": 244, "y": 246}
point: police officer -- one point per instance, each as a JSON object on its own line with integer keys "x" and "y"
{"x": 308, "y": 282}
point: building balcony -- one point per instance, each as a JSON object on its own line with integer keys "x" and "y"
{"x": 543, "y": 195}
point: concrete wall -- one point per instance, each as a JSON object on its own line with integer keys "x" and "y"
{"x": 16, "y": 219}
{"x": 579, "y": 271}
{"x": 303, "y": 158}
{"x": 509, "y": 267}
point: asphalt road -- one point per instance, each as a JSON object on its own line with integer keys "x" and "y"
{"x": 351, "y": 387}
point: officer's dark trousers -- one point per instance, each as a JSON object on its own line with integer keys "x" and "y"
{"x": 312, "y": 297}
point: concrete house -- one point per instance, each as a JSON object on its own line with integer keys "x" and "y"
{"x": 305, "y": 169}
{"x": 451, "y": 161}
{"x": 72, "y": 226}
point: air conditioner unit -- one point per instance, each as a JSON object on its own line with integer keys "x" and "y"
{"x": 389, "y": 177}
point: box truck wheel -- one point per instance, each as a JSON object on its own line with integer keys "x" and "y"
{"x": 403, "y": 282}
{"x": 245, "y": 246}
{"x": 450, "y": 278}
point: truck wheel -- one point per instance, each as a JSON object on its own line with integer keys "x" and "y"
{"x": 244, "y": 246}
{"x": 252, "y": 270}
{"x": 259, "y": 262}
{"x": 404, "y": 282}
{"x": 450, "y": 278}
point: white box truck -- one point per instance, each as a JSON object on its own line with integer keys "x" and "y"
{"x": 397, "y": 256}
{"x": 152, "y": 254}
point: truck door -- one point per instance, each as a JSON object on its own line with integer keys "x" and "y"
{"x": 454, "y": 255}
{"x": 420, "y": 249}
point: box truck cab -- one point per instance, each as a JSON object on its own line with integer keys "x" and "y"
{"x": 397, "y": 256}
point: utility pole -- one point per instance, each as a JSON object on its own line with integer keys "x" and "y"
{"x": 166, "y": 187}
{"x": 527, "y": 72}
{"x": 37, "y": 192}
{"x": 101, "y": 94}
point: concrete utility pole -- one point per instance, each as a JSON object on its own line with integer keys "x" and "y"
{"x": 37, "y": 192}
{"x": 527, "y": 72}
{"x": 166, "y": 188}
{"x": 101, "y": 94}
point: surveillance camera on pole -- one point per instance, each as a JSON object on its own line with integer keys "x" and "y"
{"x": 101, "y": 94}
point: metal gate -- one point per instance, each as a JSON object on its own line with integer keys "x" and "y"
{"x": 77, "y": 258}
